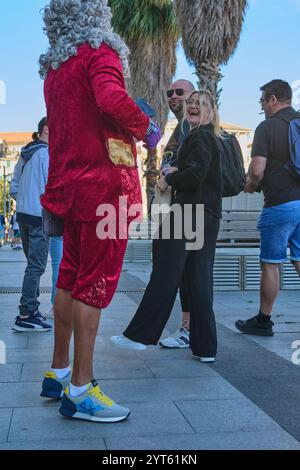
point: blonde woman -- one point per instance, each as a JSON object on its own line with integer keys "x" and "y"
{"x": 198, "y": 181}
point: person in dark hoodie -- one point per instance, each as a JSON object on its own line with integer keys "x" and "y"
{"x": 27, "y": 186}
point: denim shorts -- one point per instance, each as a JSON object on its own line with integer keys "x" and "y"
{"x": 279, "y": 228}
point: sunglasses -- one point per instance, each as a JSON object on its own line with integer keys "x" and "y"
{"x": 263, "y": 99}
{"x": 178, "y": 91}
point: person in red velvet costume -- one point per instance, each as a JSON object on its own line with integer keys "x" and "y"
{"x": 93, "y": 126}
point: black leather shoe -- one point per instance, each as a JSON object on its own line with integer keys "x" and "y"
{"x": 253, "y": 327}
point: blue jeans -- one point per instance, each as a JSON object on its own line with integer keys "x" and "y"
{"x": 36, "y": 249}
{"x": 56, "y": 252}
{"x": 279, "y": 228}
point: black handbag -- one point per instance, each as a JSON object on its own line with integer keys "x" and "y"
{"x": 53, "y": 226}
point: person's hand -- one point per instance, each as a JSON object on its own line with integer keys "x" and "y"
{"x": 167, "y": 170}
{"x": 172, "y": 169}
{"x": 250, "y": 187}
{"x": 162, "y": 184}
{"x": 153, "y": 136}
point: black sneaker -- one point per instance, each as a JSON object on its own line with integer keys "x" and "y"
{"x": 33, "y": 323}
{"x": 253, "y": 327}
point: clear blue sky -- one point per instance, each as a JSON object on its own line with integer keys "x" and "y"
{"x": 267, "y": 49}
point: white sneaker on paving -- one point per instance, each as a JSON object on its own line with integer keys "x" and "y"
{"x": 205, "y": 359}
{"x": 180, "y": 339}
{"x": 125, "y": 343}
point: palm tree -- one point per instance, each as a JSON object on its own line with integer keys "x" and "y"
{"x": 210, "y": 34}
{"x": 149, "y": 28}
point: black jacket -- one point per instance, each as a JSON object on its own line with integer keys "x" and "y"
{"x": 199, "y": 177}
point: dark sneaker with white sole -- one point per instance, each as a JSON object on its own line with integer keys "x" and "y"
{"x": 253, "y": 327}
{"x": 52, "y": 386}
{"x": 35, "y": 323}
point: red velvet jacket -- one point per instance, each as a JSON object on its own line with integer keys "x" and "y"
{"x": 92, "y": 125}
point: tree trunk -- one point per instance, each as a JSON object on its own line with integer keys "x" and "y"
{"x": 209, "y": 76}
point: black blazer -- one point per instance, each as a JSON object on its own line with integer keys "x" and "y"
{"x": 199, "y": 177}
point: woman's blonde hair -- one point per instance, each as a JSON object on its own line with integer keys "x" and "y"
{"x": 207, "y": 99}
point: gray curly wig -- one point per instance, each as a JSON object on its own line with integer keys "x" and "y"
{"x": 70, "y": 23}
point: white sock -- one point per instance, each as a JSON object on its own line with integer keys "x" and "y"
{"x": 62, "y": 373}
{"x": 76, "y": 391}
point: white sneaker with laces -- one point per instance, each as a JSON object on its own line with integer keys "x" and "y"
{"x": 180, "y": 339}
{"x": 125, "y": 343}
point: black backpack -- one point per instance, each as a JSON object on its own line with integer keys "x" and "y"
{"x": 232, "y": 164}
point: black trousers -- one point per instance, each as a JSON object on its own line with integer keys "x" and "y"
{"x": 183, "y": 288}
{"x": 170, "y": 263}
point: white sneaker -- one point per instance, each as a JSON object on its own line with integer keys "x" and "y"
{"x": 205, "y": 359}
{"x": 50, "y": 313}
{"x": 180, "y": 339}
{"x": 125, "y": 343}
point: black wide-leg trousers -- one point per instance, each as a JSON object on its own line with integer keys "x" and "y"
{"x": 172, "y": 262}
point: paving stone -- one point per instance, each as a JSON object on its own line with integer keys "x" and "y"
{"x": 145, "y": 418}
{"x": 10, "y": 372}
{"x": 255, "y": 440}
{"x": 180, "y": 368}
{"x": 12, "y": 339}
{"x": 20, "y": 394}
{"x": 225, "y": 415}
{"x": 5, "y": 419}
{"x": 56, "y": 444}
{"x": 33, "y": 372}
{"x": 29, "y": 355}
{"x": 200, "y": 388}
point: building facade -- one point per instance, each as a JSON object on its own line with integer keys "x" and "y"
{"x": 10, "y": 147}
{"x": 12, "y": 142}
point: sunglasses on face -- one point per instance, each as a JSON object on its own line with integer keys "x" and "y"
{"x": 262, "y": 100}
{"x": 178, "y": 91}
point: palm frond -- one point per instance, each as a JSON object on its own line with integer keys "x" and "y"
{"x": 210, "y": 33}
{"x": 150, "y": 29}
{"x": 210, "y": 28}
{"x": 142, "y": 19}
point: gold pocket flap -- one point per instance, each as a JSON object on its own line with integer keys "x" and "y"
{"x": 120, "y": 153}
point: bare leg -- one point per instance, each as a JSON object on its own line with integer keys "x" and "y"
{"x": 269, "y": 287}
{"x": 186, "y": 320}
{"x": 297, "y": 266}
{"x": 63, "y": 327}
{"x": 86, "y": 322}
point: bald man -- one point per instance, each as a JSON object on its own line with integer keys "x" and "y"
{"x": 179, "y": 91}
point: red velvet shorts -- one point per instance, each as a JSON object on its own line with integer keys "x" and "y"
{"x": 90, "y": 267}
